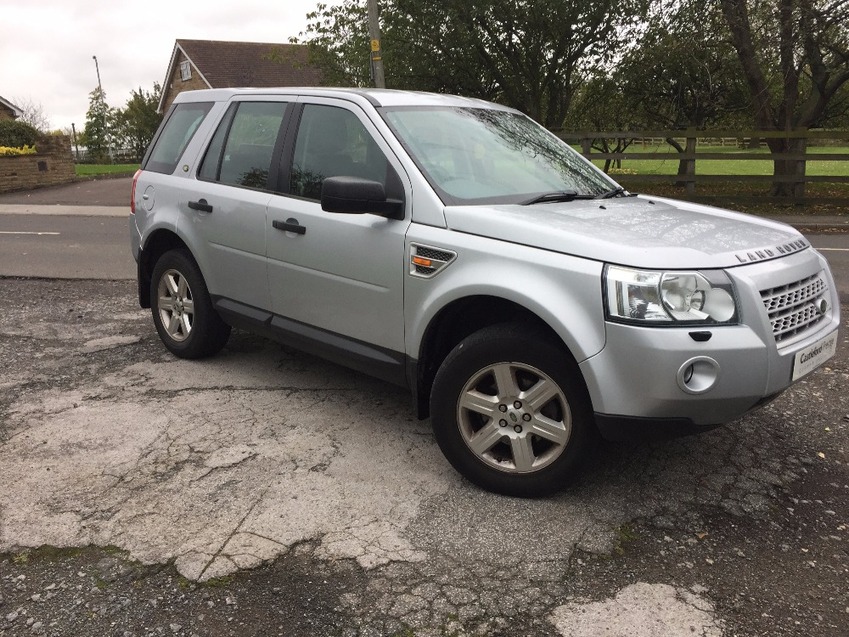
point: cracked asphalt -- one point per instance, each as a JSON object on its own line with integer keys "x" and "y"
{"x": 266, "y": 492}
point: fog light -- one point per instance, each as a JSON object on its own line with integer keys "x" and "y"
{"x": 698, "y": 375}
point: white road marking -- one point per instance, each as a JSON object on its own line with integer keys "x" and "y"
{"x": 35, "y": 233}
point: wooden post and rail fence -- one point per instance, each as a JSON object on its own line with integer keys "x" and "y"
{"x": 693, "y": 168}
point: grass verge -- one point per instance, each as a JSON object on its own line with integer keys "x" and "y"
{"x": 98, "y": 170}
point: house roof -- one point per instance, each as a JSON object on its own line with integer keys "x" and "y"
{"x": 227, "y": 64}
{"x": 16, "y": 112}
{"x": 224, "y": 64}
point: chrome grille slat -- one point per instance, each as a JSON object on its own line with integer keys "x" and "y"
{"x": 793, "y": 308}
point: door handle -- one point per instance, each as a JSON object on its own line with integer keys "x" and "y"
{"x": 200, "y": 205}
{"x": 290, "y": 225}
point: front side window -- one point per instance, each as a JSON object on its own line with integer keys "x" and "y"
{"x": 242, "y": 148}
{"x": 176, "y": 133}
{"x": 489, "y": 156}
{"x": 332, "y": 142}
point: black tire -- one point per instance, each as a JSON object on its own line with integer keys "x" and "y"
{"x": 493, "y": 396}
{"x": 182, "y": 310}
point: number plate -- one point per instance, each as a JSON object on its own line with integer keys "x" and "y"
{"x": 812, "y": 357}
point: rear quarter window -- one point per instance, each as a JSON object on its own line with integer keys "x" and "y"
{"x": 177, "y": 131}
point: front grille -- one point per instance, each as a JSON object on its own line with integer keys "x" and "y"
{"x": 795, "y": 308}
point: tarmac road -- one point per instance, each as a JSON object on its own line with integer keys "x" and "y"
{"x": 311, "y": 502}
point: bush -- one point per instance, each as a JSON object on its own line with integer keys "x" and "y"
{"x": 6, "y": 151}
{"x": 17, "y": 134}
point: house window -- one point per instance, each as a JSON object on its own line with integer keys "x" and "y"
{"x": 185, "y": 70}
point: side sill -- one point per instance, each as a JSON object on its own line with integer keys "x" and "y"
{"x": 379, "y": 362}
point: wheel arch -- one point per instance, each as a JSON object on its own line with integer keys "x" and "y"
{"x": 158, "y": 243}
{"x": 458, "y": 320}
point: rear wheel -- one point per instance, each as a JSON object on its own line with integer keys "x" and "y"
{"x": 511, "y": 413}
{"x": 182, "y": 310}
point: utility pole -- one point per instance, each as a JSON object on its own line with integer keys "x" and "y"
{"x": 76, "y": 146}
{"x": 97, "y": 68}
{"x": 376, "y": 51}
{"x": 103, "y": 109}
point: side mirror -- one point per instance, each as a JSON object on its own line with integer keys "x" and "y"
{"x": 353, "y": 195}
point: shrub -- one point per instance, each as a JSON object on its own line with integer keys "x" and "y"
{"x": 17, "y": 134}
{"x": 6, "y": 151}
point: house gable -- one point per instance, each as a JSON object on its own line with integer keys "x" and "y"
{"x": 218, "y": 64}
{"x": 9, "y": 110}
{"x": 175, "y": 80}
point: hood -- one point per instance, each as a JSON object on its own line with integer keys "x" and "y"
{"x": 646, "y": 232}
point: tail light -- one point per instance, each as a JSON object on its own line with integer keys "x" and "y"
{"x": 133, "y": 193}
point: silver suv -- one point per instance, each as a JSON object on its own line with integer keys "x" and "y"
{"x": 457, "y": 248}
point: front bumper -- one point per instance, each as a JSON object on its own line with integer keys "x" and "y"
{"x": 684, "y": 379}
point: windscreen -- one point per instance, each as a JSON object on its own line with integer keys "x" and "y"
{"x": 487, "y": 156}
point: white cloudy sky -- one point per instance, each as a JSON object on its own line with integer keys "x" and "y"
{"x": 46, "y": 46}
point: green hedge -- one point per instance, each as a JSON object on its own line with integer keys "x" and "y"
{"x": 17, "y": 134}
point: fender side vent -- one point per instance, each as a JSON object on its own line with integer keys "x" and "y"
{"x": 427, "y": 261}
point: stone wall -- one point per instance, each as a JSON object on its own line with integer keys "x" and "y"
{"x": 54, "y": 164}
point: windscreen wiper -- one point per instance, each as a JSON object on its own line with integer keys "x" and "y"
{"x": 619, "y": 191}
{"x": 559, "y": 195}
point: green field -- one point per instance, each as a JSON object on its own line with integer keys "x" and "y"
{"x": 642, "y": 164}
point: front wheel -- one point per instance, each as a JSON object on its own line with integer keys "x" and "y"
{"x": 511, "y": 413}
{"x": 182, "y": 310}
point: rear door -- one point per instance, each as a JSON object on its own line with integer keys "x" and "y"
{"x": 340, "y": 273}
{"x": 228, "y": 212}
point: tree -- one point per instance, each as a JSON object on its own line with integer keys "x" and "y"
{"x": 794, "y": 56}
{"x": 135, "y": 125}
{"x": 97, "y": 134}
{"x": 600, "y": 105}
{"x": 837, "y": 111}
{"x": 33, "y": 114}
{"x": 683, "y": 71}
{"x": 338, "y": 42}
{"x": 523, "y": 53}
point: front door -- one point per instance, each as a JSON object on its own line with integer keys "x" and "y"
{"x": 342, "y": 273}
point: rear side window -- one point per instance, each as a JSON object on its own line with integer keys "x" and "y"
{"x": 175, "y": 135}
{"x": 242, "y": 148}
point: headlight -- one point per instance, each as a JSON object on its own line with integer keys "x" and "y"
{"x": 646, "y": 296}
